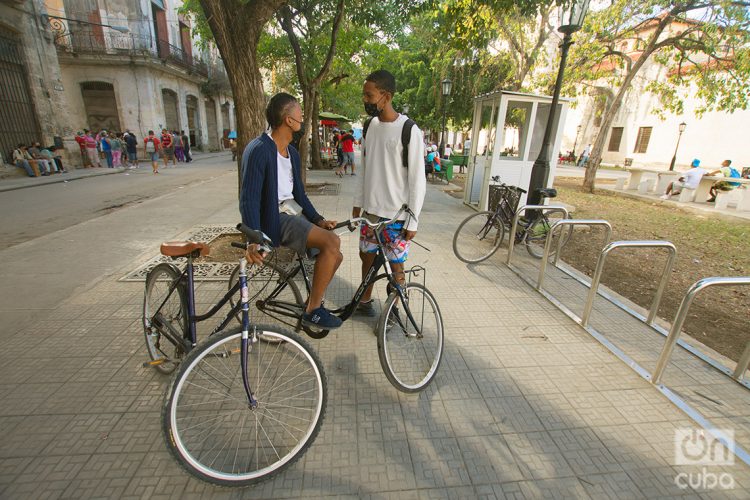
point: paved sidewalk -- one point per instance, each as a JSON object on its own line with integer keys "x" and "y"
{"x": 525, "y": 405}
{"x": 23, "y": 181}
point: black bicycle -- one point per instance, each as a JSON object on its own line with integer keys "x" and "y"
{"x": 480, "y": 235}
{"x": 409, "y": 329}
{"x": 246, "y": 402}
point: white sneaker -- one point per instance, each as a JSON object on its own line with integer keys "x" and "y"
{"x": 664, "y": 197}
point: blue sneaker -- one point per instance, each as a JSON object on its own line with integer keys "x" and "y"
{"x": 321, "y": 318}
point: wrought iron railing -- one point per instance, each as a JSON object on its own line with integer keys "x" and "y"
{"x": 92, "y": 42}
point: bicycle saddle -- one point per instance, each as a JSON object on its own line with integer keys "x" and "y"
{"x": 547, "y": 192}
{"x": 183, "y": 248}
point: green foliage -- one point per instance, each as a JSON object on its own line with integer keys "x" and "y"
{"x": 703, "y": 48}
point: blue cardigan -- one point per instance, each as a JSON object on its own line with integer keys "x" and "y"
{"x": 259, "y": 194}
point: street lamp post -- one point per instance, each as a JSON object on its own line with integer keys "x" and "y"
{"x": 575, "y": 142}
{"x": 682, "y": 128}
{"x": 572, "y": 19}
{"x": 446, "y": 85}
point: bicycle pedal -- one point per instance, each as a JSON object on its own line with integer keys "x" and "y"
{"x": 154, "y": 362}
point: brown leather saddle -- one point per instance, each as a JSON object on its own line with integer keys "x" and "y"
{"x": 184, "y": 248}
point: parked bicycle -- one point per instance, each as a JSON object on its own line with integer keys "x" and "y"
{"x": 480, "y": 235}
{"x": 246, "y": 402}
{"x": 409, "y": 330}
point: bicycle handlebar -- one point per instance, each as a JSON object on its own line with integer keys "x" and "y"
{"x": 496, "y": 179}
{"x": 352, "y": 223}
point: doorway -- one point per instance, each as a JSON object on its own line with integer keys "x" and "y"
{"x": 100, "y": 103}
{"x": 171, "y": 110}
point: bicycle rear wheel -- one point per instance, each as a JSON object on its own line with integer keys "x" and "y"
{"x": 173, "y": 317}
{"x": 478, "y": 237}
{"x": 209, "y": 426}
{"x": 410, "y": 356}
{"x": 536, "y": 235}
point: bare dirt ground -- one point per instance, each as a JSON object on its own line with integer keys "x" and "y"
{"x": 706, "y": 246}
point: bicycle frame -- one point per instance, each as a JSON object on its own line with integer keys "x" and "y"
{"x": 290, "y": 310}
{"x": 193, "y": 318}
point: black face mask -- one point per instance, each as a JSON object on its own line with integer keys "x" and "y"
{"x": 372, "y": 108}
{"x": 297, "y": 135}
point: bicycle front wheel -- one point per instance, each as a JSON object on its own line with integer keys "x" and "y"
{"x": 173, "y": 317}
{"x": 410, "y": 338}
{"x": 536, "y": 235}
{"x": 212, "y": 430}
{"x": 478, "y": 237}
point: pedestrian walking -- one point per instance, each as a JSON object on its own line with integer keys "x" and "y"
{"x": 167, "y": 147}
{"x": 584, "y": 159}
{"x": 131, "y": 147}
{"x": 151, "y": 146}
{"x": 179, "y": 149}
{"x": 186, "y": 146}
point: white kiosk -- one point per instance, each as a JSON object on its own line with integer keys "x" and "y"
{"x": 520, "y": 119}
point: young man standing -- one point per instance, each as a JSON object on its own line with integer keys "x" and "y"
{"x": 273, "y": 200}
{"x": 386, "y": 183}
{"x": 151, "y": 146}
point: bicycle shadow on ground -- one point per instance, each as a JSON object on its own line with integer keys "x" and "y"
{"x": 483, "y": 428}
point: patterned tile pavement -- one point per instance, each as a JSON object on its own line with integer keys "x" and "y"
{"x": 525, "y": 405}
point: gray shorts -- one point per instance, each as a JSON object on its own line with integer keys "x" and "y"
{"x": 294, "y": 232}
{"x": 348, "y": 158}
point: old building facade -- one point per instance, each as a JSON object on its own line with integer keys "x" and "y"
{"x": 640, "y": 137}
{"x": 118, "y": 65}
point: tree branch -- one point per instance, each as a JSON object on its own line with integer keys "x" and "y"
{"x": 284, "y": 17}
{"x": 332, "y": 48}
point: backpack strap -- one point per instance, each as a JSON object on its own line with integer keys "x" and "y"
{"x": 405, "y": 140}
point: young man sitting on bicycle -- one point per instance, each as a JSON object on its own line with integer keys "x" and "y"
{"x": 389, "y": 178}
{"x": 273, "y": 200}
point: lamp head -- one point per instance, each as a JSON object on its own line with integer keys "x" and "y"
{"x": 682, "y": 127}
{"x": 447, "y": 85}
{"x": 571, "y": 15}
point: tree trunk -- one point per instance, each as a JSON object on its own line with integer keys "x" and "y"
{"x": 589, "y": 180}
{"x": 237, "y": 27}
{"x": 304, "y": 145}
{"x": 317, "y": 162}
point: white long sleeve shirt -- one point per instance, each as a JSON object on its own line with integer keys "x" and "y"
{"x": 384, "y": 184}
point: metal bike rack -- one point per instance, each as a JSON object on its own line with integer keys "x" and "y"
{"x": 514, "y": 227}
{"x": 679, "y": 320}
{"x": 548, "y": 241}
{"x": 630, "y": 244}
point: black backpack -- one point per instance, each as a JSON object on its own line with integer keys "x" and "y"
{"x": 405, "y": 138}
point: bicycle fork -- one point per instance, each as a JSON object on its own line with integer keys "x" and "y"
{"x": 246, "y": 339}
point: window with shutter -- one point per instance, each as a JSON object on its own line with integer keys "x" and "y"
{"x": 641, "y": 142}
{"x": 615, "y": 138}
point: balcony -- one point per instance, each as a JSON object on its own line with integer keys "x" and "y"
{"x": 96, "y": 42}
